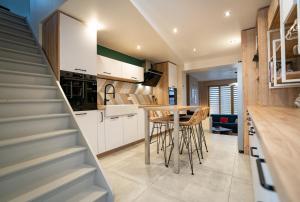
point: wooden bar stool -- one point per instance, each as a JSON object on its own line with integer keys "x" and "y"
{"x": 188, "y": 137}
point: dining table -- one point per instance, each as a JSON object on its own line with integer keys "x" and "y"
{"x": 175, "y": 110}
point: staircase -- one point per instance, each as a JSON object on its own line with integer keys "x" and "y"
{"x": 43, "y": 154}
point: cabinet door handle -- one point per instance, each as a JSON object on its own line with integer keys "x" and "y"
{"x": 130, "y": 115}
{"x": 80, "y": 114}
{"x": 84, "y": 70}
{"x": 261, "y": 176}
{"x": 102, "y": 118}
{"x": 114, "y": 117}
{"x": 134, "y": 78}
{"x": 77, "y": 69}
{"x": 251, "y": 152}
{"x": 106, "y": 73}
{"x": 250, "y": 133}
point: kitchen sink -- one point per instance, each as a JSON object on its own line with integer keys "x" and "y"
{"x": 119, "y": 110}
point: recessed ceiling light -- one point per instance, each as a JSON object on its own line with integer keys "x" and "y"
{"x": 227, "y": 13}
{"x": 95, "y": 25}
{"x": 175, "y": 30}
{"x": 138, "y": 47}
{"x": 194, "y": 49}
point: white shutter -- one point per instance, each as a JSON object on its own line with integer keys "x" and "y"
{"x": 235, "y": 100}
{"x": 225, "y": 100}
{"x": 214, "y": 97}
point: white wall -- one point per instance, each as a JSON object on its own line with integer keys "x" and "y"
{"x": 20, "y": 7}
{"x": 39, "y": 10}
{"x": 240, "y": 107}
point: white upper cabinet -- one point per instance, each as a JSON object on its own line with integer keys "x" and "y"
{"x": 117, "y": 69}
{"x": 78, "y": 46}
{"x": 109, "y": 67}
{"x": 172, "y": 72}
{"x": 287, "y": 8}
{"x": 133, "y": 72}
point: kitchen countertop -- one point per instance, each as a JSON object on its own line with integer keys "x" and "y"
{"x": 278, "y": 130}
{"x": 102, "y": 107}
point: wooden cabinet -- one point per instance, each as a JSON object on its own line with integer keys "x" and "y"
{"x": 273, "y": 15}
{"x": 69, "y": 44}
{"x": 169, "y": 79}
{"x": 101, "y": 132}
{"x": 109, "y": 67}
{"x": 113, "y": 132}
{"x": 130, "y": 128}
{"x": 87, "y": 121}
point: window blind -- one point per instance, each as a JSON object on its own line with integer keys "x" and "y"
{"x": 235, "y": 99}
{"x": 225, "y": 99}
{"x": 214, "y": 100}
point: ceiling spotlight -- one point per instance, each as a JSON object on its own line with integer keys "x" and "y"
{"x": 175, "y": 30}
{"x": 227, "y": 13}
{"x": 194, "y": 49}
{"x": 138, "y": 47}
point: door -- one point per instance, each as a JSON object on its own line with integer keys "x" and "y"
{"x": 130, "y": 128}
{"x": 133, "y": 72}
{"x": 101, "y": 132}
{"x": 109, "y": 67}
{"x": 77, "y": 46}
{"x": 87, "y": 121}
{"x": 113, "y": 132}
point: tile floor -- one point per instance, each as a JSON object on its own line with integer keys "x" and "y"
{"x": 223, "y": 176}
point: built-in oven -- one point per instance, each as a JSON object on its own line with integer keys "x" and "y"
{"x": 80, "y": 90}
{"x": 173, "y": 96}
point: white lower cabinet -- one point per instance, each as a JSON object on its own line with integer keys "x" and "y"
{"x": 130, "y": 128}
{"x": 87, "y": 121}
{"x": 101, "y": 133}
{"x": 113, "y": 132}
{"x": 260, "y": 170}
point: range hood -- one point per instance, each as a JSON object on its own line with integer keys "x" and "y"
{"x": 151, "y": 77}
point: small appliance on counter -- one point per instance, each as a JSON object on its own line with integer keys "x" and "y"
{"x": 80, "y": 90}
{"x": 173, "y": 96}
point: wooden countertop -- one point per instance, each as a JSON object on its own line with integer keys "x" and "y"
{"x": 278, "y": 130}
{"x": 102, "y": 107}
{"x": 171, "y": 108}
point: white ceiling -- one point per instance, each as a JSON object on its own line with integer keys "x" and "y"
{"x": 123, "y": 28}
{"x": 201, "y": 24}
{"x": 217, "y": 73}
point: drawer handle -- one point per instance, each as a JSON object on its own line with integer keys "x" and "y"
{"x": 251, "y": 152}
{"x": 131, "y": 115}
{"x": 133, "y": 77}
{"x": 107, "y": 73}
{"x": 250, "y": 133}
{"x": 261, "y": 175}
{"x": 80, "y": 114}
{"x": 114, "y": 117}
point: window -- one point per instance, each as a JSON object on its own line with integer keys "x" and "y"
{"x": 223, "y": 99}
{"x": 214, "y": 97}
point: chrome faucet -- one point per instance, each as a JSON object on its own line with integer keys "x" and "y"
{"x": 107, "y": 93}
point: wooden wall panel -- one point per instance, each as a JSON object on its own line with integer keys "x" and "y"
{"x": 51, "y": 42}
{"x": 161, "y": 90}
{"x": 250, "y": 75}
